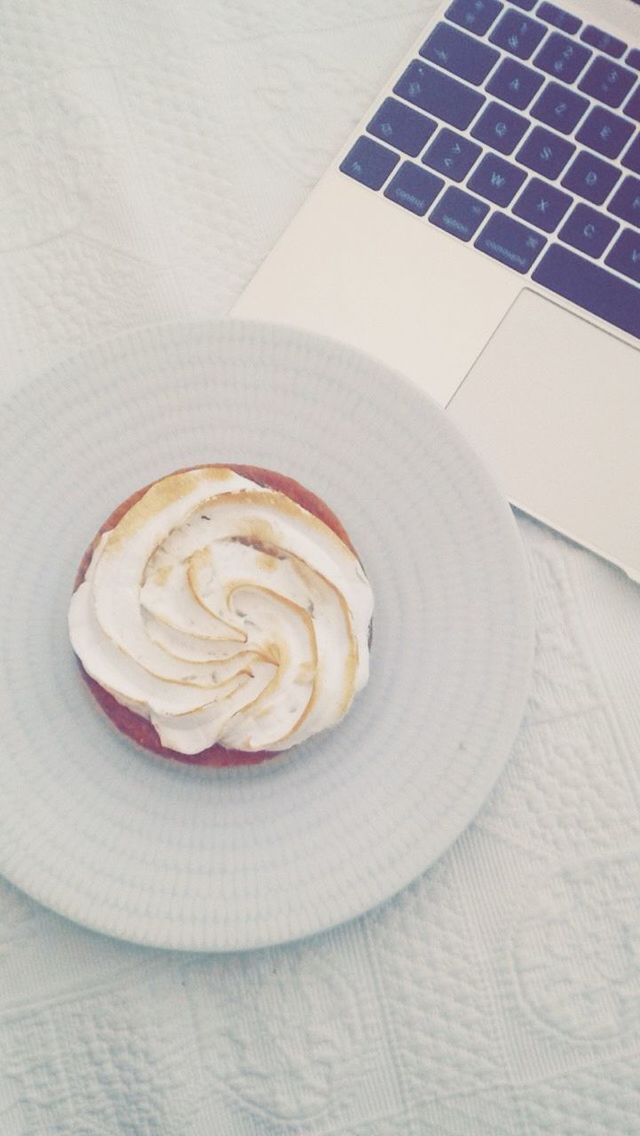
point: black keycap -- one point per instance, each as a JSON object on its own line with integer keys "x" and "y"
{"x": 439, "y": 94}
{"x": 559, "y": 108}
{"x": 402, "y": 127}
{"x": 591, "y": 177}
{"x": 605, "y": 132}
{"x": 519, "y": 35}
{"x": 625, "y": 202}
{"x": 544, "y": 152}
{"x": 500, "y": 128}
{"x": 542, "y": 205}
{"x": 588, "y": 230}
{"x": 607, "y": 81}
{"x": 459, "y": 213}
{"x": 562, "y": 58}
{"x": 510, "y": 242}
{"x": 566, "y": 21}
{"x": 459, "y": 53}
{"x": 451, "y": 154}
{"x": 414, "y": 188}
{"x": 474, "y": 16}
{"x": 369, "y": 163}
{"x": 603, "y": 41}
{"x": 590, "y": 287}
{"x": 514, "y": 83}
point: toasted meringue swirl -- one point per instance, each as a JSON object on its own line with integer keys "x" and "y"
{"x": 224, "y": 612}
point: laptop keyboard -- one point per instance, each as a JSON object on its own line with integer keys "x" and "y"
{"x": 517, "y": 129}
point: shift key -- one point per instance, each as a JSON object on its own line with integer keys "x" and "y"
{"x": 439, "y": 94}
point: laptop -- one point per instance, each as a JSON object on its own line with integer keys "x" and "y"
{"x": 480, "y": 232}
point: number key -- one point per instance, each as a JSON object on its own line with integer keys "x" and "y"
{"x": 519, "y": 35}
{"x": 603, "y": 41}
{"x": 559, "y": 18}
{"x": 608, "y": 82}
{"x": 562, "y": 57}
{"x": 476, "y": 16}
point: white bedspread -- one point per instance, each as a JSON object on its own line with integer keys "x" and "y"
{"x": 151, "y": 151}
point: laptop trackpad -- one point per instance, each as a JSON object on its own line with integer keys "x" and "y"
{"x": 553, "y": 403}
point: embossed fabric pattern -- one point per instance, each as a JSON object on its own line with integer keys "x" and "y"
{"x": 151, "y": 155}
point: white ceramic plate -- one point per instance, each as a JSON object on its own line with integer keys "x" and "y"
{"x": 199, "y": 859}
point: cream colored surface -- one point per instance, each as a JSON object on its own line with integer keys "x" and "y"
{"x": 551, "y": 392}
{"x": 357, "y": 268}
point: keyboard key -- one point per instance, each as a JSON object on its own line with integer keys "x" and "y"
{"x": 500, "y": 128}
{"x": 633, "y": 58}
{"x": 459, "y": 213}
{"x": 625, "y": 255}
{"x": 608, "y": 82}
{"x": 475, "y": 16}
{"x": 632, "y": 157}
{"x": 514, "y": 83}
{"x": 459, "y": 53}
{"x": 605, "y": 132}
{"x": 496, "y": 180}
{"x": 588, "y": 230}
{"x": 519, "y": 35}
{"x": 603, "y": 41}
{"x": 402, "y": 127}
{"x": 559, "y": 108}
{"x": 526, "y": 4}
{"x": 591, "y": 177}
{"x": 625, "y": 202}
{"x": 369, "y": 163}
{"x": 546, "y": 153}
{"x": 559, "y": 18}
{"x": 414, "y": 188}
{"x": 542, "y": 205}
{"x": 590, "y": 287}
{"x": 438, "y": 94}
{"x": 451, "y": 154}
{"x": 561, "y": 57}
{"x": 632, "y": 108}
{"x": 510, "y": 242}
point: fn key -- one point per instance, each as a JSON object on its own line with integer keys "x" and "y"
{"x": 591, "y": 288}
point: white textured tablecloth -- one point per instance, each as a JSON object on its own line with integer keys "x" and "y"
{"x": 151, "y": 151}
